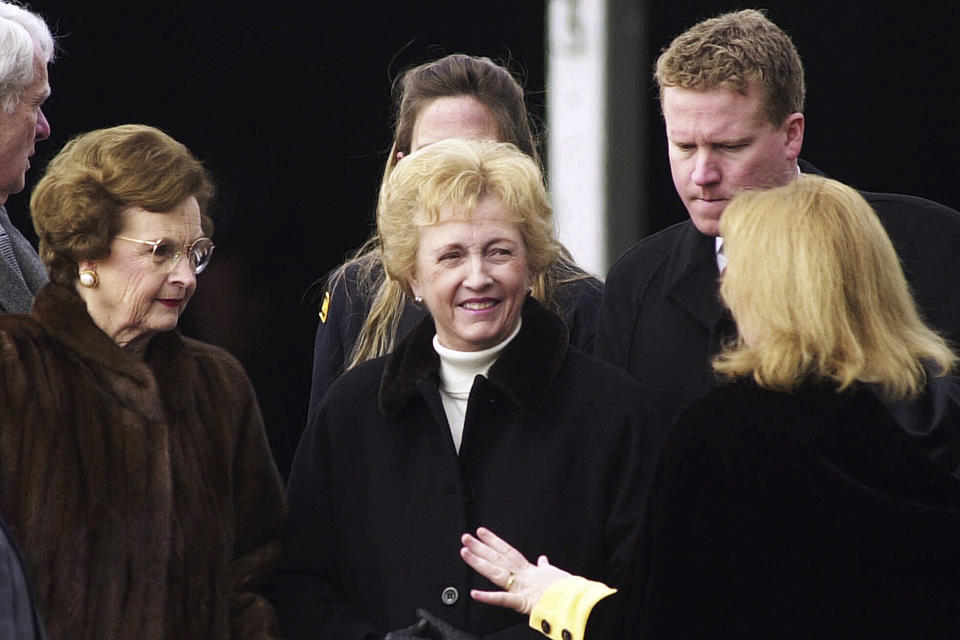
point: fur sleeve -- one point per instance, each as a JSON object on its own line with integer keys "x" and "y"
{"x": 259, "y": 516}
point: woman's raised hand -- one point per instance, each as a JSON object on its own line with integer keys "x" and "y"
{"x": 522, "y": 582}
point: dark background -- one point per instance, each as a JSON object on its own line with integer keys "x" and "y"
{"x": 289, "y": 106}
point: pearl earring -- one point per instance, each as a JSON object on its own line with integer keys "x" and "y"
{"x": 89, "y": 279}
{"x": 418, "y": 300}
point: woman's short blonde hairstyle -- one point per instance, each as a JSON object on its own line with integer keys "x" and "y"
{"x": 458, "y": 173}
{"x": 815, "y": 284}
{"x": 76, "y": 206}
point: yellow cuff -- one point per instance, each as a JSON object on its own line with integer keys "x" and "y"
{"x": 563, "y": 610}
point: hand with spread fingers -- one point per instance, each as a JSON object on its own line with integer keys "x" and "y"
{"x": 523, "y": 583}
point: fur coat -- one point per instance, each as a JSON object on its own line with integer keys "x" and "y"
{"x": 142, "y": 491}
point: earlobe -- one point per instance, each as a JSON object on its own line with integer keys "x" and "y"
{"x": 87, "y": 274}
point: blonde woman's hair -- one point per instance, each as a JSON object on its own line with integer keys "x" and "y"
{"x": 817, "y": 290}
{"x": 454, "y": 173}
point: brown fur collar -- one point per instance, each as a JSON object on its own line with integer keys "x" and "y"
{"x": 523, "y": 373}
{"x": 63, "y": 314}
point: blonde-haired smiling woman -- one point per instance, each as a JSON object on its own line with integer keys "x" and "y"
{"x": 815, "y": 494}
{"x": 483, "y": 413}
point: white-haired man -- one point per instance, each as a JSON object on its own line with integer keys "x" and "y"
{"x": 26, "y": 48}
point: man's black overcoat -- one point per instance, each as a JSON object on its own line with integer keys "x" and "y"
{"x": 662, "y": 320}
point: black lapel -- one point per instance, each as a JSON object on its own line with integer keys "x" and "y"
{"x": 691, "y": 279}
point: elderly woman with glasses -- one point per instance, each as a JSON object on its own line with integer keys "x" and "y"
{"x": 134, "y": 468}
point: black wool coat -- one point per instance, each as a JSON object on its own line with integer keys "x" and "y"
{"x": 662, "y": 319}
{"x": 805, "y": 515}
{"x": 556, "y": 452}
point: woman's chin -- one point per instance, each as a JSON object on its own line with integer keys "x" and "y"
{"x": 165, "y": 322}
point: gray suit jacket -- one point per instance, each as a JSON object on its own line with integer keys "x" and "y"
{"x": 16, "y": 293}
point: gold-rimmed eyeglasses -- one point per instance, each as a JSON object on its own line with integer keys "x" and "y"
{"x": 166, "y": 253}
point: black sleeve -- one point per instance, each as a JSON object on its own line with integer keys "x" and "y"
{"x": 615, "y": 320}
{"x": 336, "y": 334}
{"x": 579, "y": 302}
{"x": 306, "y": 591}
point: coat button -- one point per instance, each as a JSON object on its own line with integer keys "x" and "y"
{"x": 545, "y": 626}
{"x": 566, "y": 635}
{"x": 449, "y": 596}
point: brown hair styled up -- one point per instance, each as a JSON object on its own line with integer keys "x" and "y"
{"x": 458, "y": 74}
{"x": 76, "y": 206}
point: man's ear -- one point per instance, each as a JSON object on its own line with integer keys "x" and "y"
{"x": 793, "y": 128}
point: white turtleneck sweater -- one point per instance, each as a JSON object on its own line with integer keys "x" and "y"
{"x": 457, "y": 372}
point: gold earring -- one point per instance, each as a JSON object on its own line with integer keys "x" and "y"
{"x": 89, "y": 279}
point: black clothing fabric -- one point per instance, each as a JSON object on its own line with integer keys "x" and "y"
{"x": 932, "y": 421}
{"x": 812, "y": 514}
{"x": 348, "y": 308}
{"x": 19, "y": 618}
{"x": 556, "y": 454}
{"x": 662, "y": 320}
